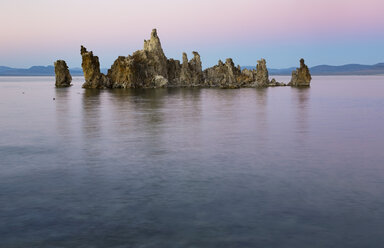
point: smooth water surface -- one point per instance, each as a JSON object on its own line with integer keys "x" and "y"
{"x": 276, "y": 167}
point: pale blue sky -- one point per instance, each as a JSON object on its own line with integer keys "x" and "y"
{"x": 282, "y": 31}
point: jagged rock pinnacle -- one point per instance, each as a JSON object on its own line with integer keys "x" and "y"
{"x": 185, "y": 60}
{"x": 154, "y": 44}
{"x": 262, "y": 76}
{"x": 91, "y": 68}
{"x": 83, "y": 50}
{"x": 154, "y": 33}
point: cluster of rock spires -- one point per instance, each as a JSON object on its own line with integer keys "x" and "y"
{"x": 150, "y": 68}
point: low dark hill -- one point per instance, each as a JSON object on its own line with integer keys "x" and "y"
{"x": 350, "y": 69}
{"x": 37, "y": 71}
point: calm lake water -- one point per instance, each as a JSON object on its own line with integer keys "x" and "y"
{"x": 276, "y": 167}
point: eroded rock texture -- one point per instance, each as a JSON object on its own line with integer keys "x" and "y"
{"x": 191, "y": 73}
{"x": 94, "y": 79}
{"x": 274, "y": 83}
{"x": 262, "y": 76}
{"x": 62, "y": 74}
{"x": 150, "y": 68}
{"x": 223, "y": 75}
{"x": 143, "y": 69}
{"x": 301, "y": 77}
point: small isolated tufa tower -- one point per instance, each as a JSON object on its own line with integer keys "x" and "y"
{"x": 301, "y": 77}
{"x": 62, "y": 74}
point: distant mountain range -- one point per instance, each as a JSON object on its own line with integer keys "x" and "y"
{"x": 350, "y": 69}
{"x": 38, "y": 71}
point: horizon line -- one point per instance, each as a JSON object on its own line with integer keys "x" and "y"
{"x": 25, "y": 68}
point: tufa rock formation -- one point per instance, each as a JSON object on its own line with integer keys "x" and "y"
{"x": 262, "y": 76}
{"x": 274, "y": 83}
{"x": 150, "y": 68}
{"x": 223, "y": 75}
{"x": 146, "y": 68}
{"x": 191, "y": 73}
{"x": 301, "y": 77}
{"x": 63, "y": 77}
{"x": 94, "y": 79}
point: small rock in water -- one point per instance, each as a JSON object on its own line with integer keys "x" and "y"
{"x": 62, "y": 74}
{"x": 301, "y": 76}
{"x": 54, "y": 98}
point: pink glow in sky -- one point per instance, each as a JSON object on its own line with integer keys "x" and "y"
{"x": 40, "y": 31}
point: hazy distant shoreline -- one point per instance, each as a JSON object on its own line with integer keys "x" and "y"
{"x": 329, "y": 70}
{"x": 320, "y": 70}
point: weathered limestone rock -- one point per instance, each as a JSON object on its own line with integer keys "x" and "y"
{"x": 91, "y": 67}
{"x": 262, "y": 76}
{"x": 249, "y": 73}
{"x": 301, "y": 77}
{"x": 150, "y": 68}
{"x": 191, "y": 73}
{"x": 154, "y": 45}
{"x": 156, "y": 54}
{"x": 174, "y": 71}
{"x": 274, "y": 83}
{"x": 185, "y": 73}
{"x": 258, "y": 77}
{"x": 62, "y": 74}
{"x": 160, "y": 81}
{"x": 140, "y": 69}
{"x": 223, "y": 75}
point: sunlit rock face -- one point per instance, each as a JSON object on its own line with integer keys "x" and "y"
{"x": 150, "y": 68}
{"x": 301, "y": 77}
{"x": 94, "y": 79}
{"x": 62, "y": 75}
{"x": 142, "y": 69}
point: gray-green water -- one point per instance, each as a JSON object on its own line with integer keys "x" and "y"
{"x": 276, "y": 167}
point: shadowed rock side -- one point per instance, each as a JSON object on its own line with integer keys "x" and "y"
{"x": 150, "y": 68}
{"x": 62, "y": 75}
{"x": 301, "y": 77}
